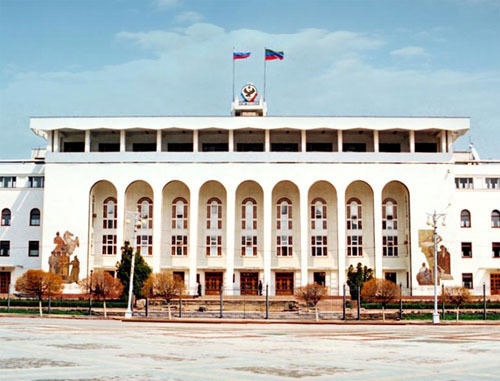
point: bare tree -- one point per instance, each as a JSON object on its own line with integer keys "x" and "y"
{"x": 380, "y": 291}
{"x": 457, "y": 296}
{"x": 312, "y": 294}
{"x": 103, "y": 286}
{"x": 39, "y": 284}
{"x": 163, "y": 285}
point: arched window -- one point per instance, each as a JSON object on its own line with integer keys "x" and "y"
{"x": 214, "y": 227}
{"x": 35, "y": 217}
{"x": 318, "y": 228}
{"x": 109, "y": 213}
{"x": 6, "y": 217}
{"x": 144, "y": 234}
{"x": 389, "y": 228}
{"x": 465, "y": 219}
{"x": 179, "y": 240}
{"x": 354, "y": 227}
{"x": 495, "y": 219}
{"x": 249, "y": 227}
{"x": 284, "y": 225}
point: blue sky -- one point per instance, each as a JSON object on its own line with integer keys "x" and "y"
{"x": 173, "y": 57}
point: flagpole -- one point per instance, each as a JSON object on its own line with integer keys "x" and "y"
{"x": 264, "y": 96}
{"x": 232, "y": 100}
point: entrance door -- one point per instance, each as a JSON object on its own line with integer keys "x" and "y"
{"x": 4, "y": 282}
{"x": 249, "y": 283}
{"x": 495, "y": 284}
{"x": 284, "y": 283}
{"x": 391, "y": 276}
{"x": 179, "y": 276}
{"x": 213, "y": 283}
{"x": 320, "y": 278}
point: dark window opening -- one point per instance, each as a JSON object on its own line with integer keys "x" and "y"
{"x": 391, "y": 276}
{"x": 109, "y": 147}
{"x": 319, "y": 147}
{"x": 215, "y": 147}
{"x": 74, "y": 147}
{"x": 284, "y": 147}
{"x": 467, "y": 249}
{"x": 33, "y": 248}
{"x": 354, "y": 147}
{"x": 495, "y": 248}
{"x": 426, "y": 147}
{"x": 467, "y": 280}
{"x": 250, "y": 147}
{"x": 389, "y": 147}
{"x": 180, "y": 147}
{"x": 4, "y": 248}
{"x": 144, "y": 147}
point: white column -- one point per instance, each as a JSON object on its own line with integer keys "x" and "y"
{"x": 230, "y": 142}
{"x": 339, "y": 140}
{"x": 157, "y": 221}
{"x": 377, "y": 231}
{"x": 193, "y": 237}
{"x": 158, "y": 141}
{"x": 304, "y": 236}
{"x": 412, "y": 141}
{"x": 230, "y": 249}
{"x": 123, "y": 147}
{"x": 120, "y": 223}
{"x": 375, "y": 141}
{"x": 49, "y": 141}
{"x": 450, "y": 141}
{"x": 57, "y": 145}
{"x": 195, "y": 140}
{"x": 303, "y": 141}
{"x": 443, "y": 140}
{"x": 87, "y": 140}
{"x": 267, "y": 143}
{"x": 267, "y": 236}
{"x": 341, "y": 240}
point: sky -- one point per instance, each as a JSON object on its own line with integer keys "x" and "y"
{"x": 174, "y": 58}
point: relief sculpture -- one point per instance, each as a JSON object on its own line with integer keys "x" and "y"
{"x": 60, "y": 258}
{"x": 425, "y": 275}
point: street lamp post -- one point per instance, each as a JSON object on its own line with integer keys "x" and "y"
{"x": 137, "y": 224}
{"x": 433, "y": 221}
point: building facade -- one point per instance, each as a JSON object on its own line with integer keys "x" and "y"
{"x": 231, "y": 201}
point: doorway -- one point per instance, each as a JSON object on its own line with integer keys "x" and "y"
{"x": 249, "y": 283}
{"x": 213, "y": 283}
{"x": 320, "y": 278}
{"x": 391, "y": 276}
{"x": 495, "y": 284}
{"x": 4, "y": 282}
{"x": 284, "y": 283}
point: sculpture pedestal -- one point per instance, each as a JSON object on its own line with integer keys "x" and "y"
{"x": 72, "y": 288}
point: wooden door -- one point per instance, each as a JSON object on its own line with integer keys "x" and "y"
{"x": 213, "y": 283}
{"x": 495, "y": 284}
{"x": 249, "y": 283}
{"x": 284, "y": 283}
{"x": 4, "y": 282}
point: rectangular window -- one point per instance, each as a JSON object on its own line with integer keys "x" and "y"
{"x": 36, "y": 181}
{"x": 390, "y": 246}
{"x": 109, "y": 244}
{"x": 467, "y": 249}
{"x": 495, "y": 248}
{"x": 214, "y": 245}
{"x": 145, "y": 244}
{"x": 493, "y": 182}
{"x": 319, "y": 246}
{"x": 4, "y": 248}
{"x": 467, "y": 280}
{"x": 284, "y": 246}
{"x": 464, "y": 183}
{"x": 33, "y": 248}
{"x": 249, "y": 245}
{"x": 7, "y": 181}
{"x": 354, "y": 246}
{"x": 179, "y": 245}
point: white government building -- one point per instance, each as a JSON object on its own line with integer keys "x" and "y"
{"x": 231, "y": 201}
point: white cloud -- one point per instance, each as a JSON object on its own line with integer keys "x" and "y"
{"x": 189, "y": 17}
{"x": 410, "y": 52}
{"x": 165, "y": 4}
{"x": 323, "y": 73}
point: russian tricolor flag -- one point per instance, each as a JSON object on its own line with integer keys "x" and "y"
{"x": 240, "y": 55}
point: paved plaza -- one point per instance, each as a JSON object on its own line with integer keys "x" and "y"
{"x": 48, "y": 349}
